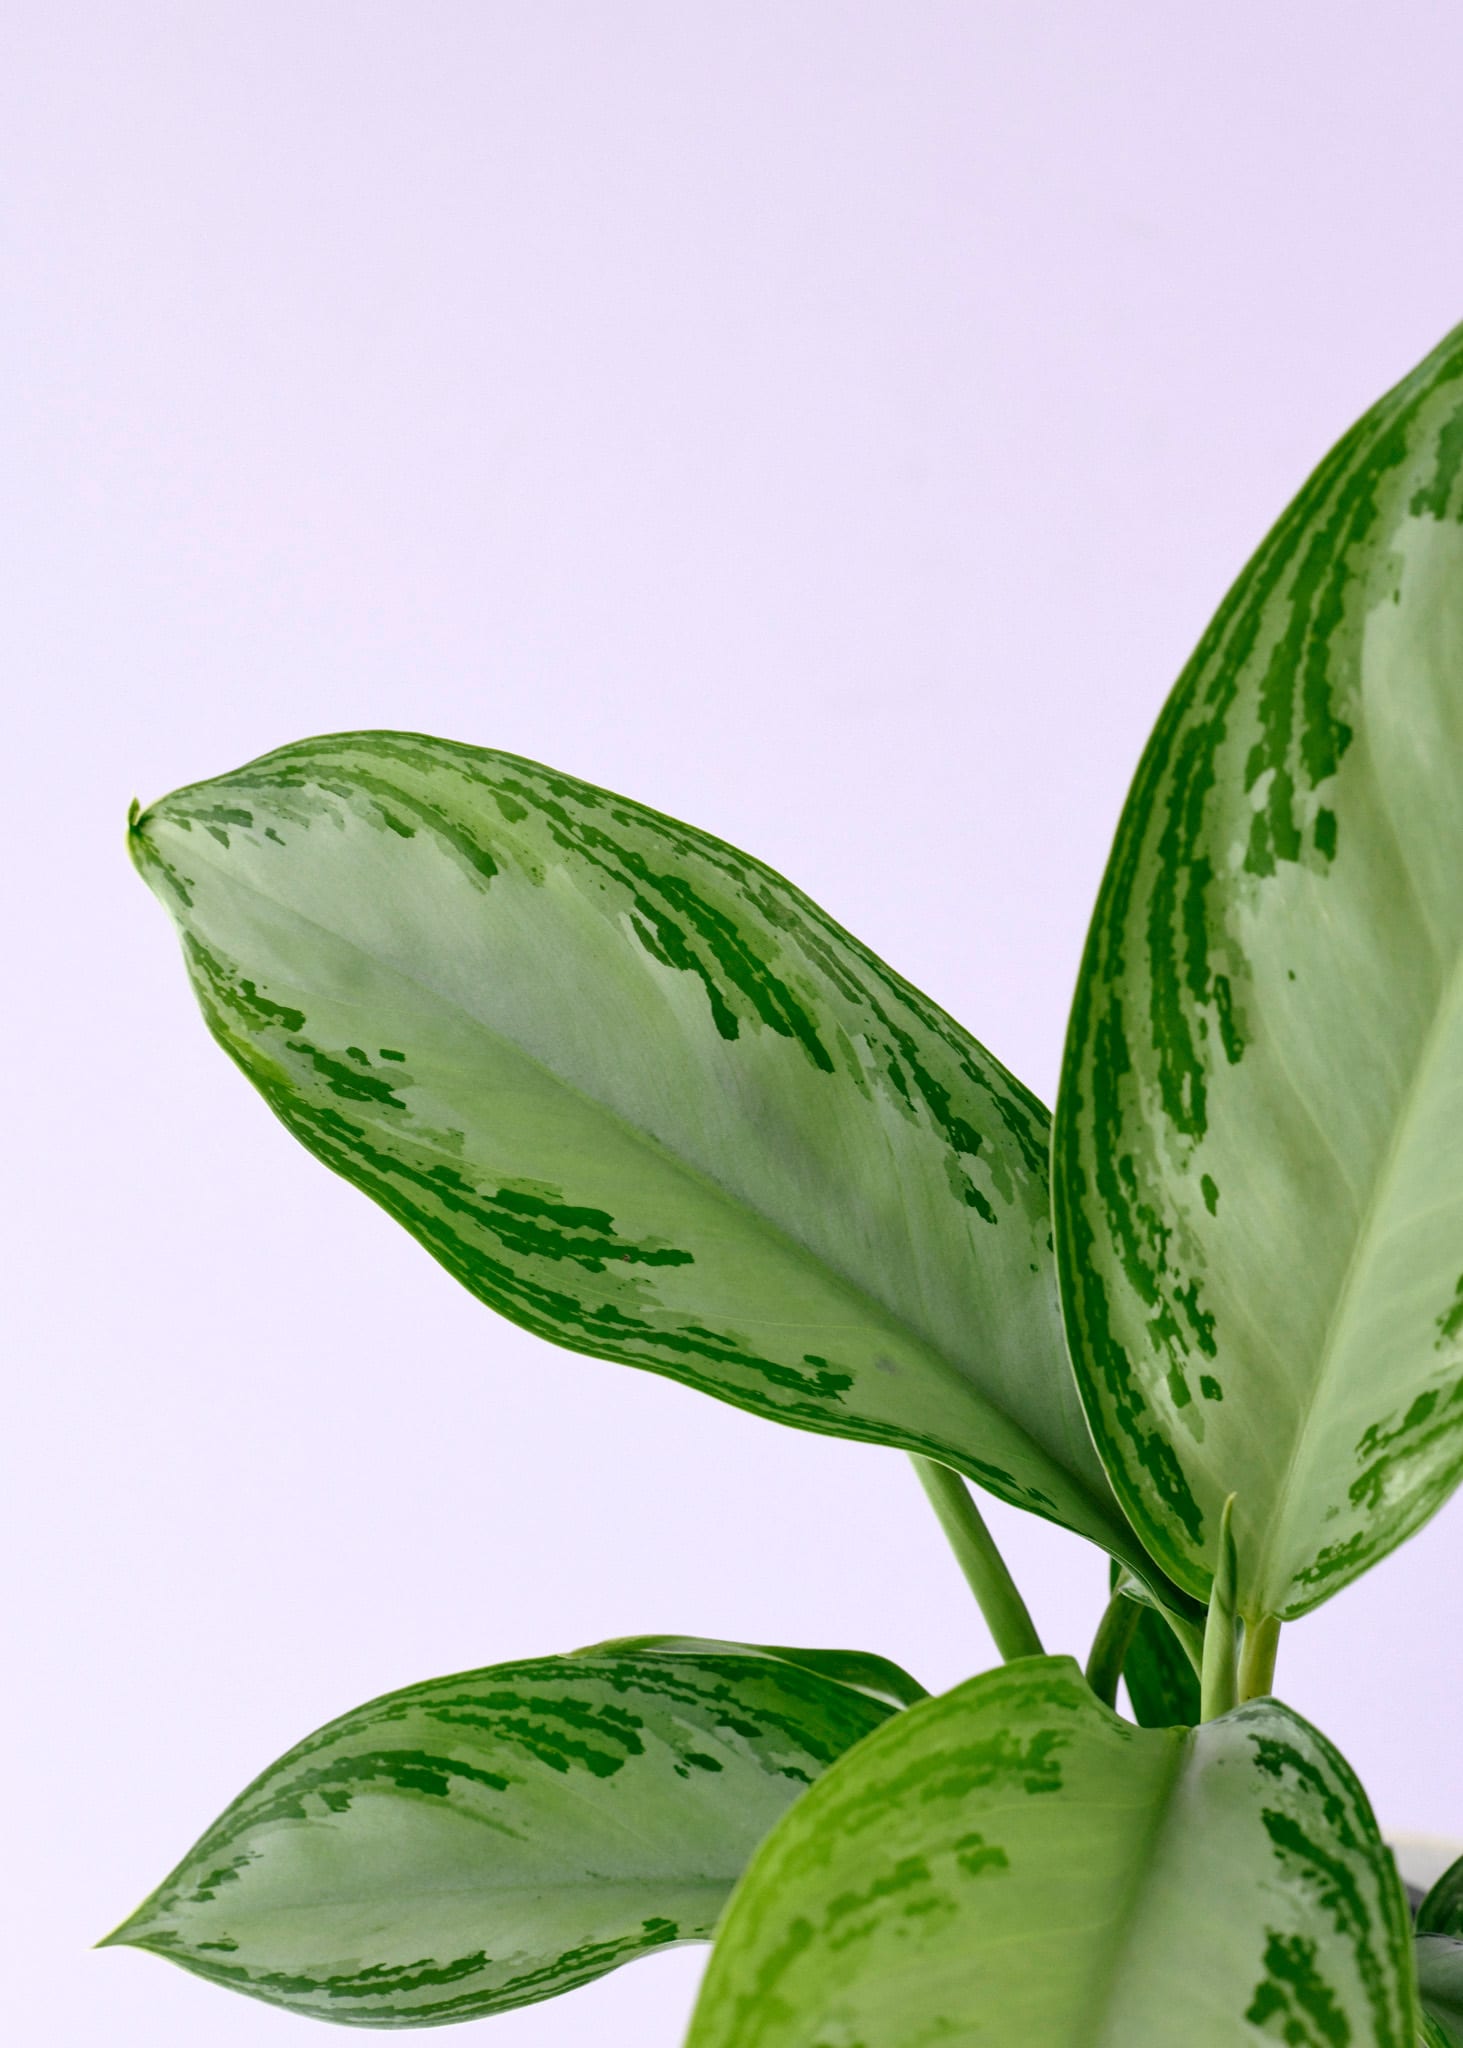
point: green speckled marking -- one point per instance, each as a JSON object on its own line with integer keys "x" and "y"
{"x": 1450, "y": 1322}
{"x": 1293, "y": 2001}
{"x": 1222, "y": 1885}
{"x": 1260, "y": 1106}
{"x": 472, "y": 1844}
{"x": 639, "y": 1094}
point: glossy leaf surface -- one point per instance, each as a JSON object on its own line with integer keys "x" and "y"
{"x": 639, "y": 1094}
{"x": 1259, "y": 1213}
{"x": 1011, "y": 1862}
{"x": 488, "y": 1839}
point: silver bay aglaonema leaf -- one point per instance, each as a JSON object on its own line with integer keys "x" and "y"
{"x": 638, "y": 1093}
{"x": 1258, "y": 1204}
{"x": 481, "y": 1841}
{"x": 1013, "y": 1863}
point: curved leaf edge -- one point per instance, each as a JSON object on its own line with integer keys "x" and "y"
{"x": 1072, "y": 1234}
{"x": 1119, "y": 1536}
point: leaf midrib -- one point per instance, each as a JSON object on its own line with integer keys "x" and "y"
{"x": 1372, "y": 1213}
{"x": 1144, "y": 1864}
{"x": 390, "y": 1888}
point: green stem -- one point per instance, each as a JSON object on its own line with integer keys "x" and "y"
{"x": 984, "y": 1567}
{"x": 1217, "y": 1681}
{"x": 1257, "y": 1658}
{"x": 1110, "y": 1646}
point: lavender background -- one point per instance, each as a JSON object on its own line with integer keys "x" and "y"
{"x": 830, "y": 423}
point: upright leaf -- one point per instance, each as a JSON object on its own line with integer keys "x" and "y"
{"x": 1013, "y": 1863}
{"x": 1259, "y": 1213}
{"x": 482, "y": 1841}
{"x": 639, "y": 1094}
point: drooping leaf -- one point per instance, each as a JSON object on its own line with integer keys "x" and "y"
{"x": 860, "y": 1669}
{"x": 1440, "y": 1985}
{"x": 639, "y": 1094}
{"x": 1441, "y": 1912}
{"x": 1163, "y": 1686}
{"x": 1012, "y": 1862}
{"x": 1259, "y": 1214}
{"x": 481, "y": 1841}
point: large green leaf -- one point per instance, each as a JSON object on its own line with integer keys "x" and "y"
{"x": 1440, "y": 1985}
{"x": 481, "y": 1841}
{"x": 1013, "y": 1863}
{"x": 1259, "y": 1212}
{"x": 639, "y": 1094}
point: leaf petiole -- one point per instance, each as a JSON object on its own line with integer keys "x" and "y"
{"x": 1257, "y": 1658}
{"x": 1110, "y": 1646}
{"x": 996, "y": 1593}
{"x": 1218, "y": 1682}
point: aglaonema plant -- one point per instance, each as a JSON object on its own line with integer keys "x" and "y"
{"x": 637, "y": 1093}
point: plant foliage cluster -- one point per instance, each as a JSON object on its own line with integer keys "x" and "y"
{"x": 638, "y": 1093}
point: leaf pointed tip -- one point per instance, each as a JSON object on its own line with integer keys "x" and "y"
{"x": 126, "y": 1934}
{"x": 137, "y": 841}
{"x": 138, "y": 1929}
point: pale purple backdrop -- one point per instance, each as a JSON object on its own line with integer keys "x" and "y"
{"x": 830, "y": 423}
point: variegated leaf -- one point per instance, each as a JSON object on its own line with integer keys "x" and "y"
{"x": 1013, "y": 1863}
{"x": 1259, "y": 1212}
{"x": 485, "y": 1840}
{"x": 639, "y": 1094}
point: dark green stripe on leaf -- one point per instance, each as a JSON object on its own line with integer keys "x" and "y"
{"x": 484, "y": 1840}
{"x": 639, "y": 1094}
{"x": 1257, "y": 1209}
